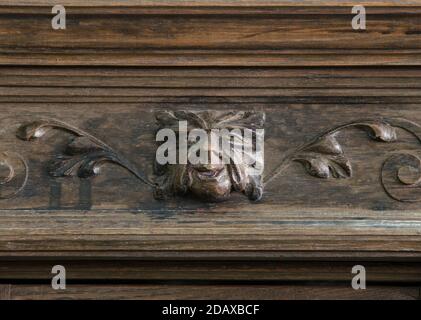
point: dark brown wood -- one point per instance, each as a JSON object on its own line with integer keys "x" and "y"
{"x": 217, "y": 270}
{"x": 214, "y": 292}
{"x": 331, "y": 97}
{"x": 280, "y": 34}
{"x": 5, "y": 292}
{"x": 123, "y": 210}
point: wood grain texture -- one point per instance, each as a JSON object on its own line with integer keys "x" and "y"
{"x": 119, "y": 62}
{"x": 256, "y": 270}
{"x": 214, "y": 292}
{"x": 210, "y": 3}
{"x": 287, "y": 222}
{"x": 281, "y": 36}
{"x": 123, "y": 216}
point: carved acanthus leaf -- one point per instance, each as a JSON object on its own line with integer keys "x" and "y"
{"x": 324, "y": 159}
{"x": 326, "y": 144}
{"x": 327, "y": 166}
{"x": 380, "y": 131}
{"x": 33, "y": 130}
{"x": 211, "y": 120}
{"x": 83, "y": 156}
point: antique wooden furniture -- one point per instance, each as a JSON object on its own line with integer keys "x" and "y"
{"x": 340, "y": 109}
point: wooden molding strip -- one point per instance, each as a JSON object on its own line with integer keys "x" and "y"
{"x": 211, "y": 3}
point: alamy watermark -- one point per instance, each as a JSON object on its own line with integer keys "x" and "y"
{"x": 359, "y": 20}
{"x": 58, "y": 282}
{"x": 214, "y": 146}
{"x": 58, "y": 22}
{"x": 359, "y": 280}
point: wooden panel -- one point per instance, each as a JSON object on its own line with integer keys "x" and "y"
{"x": 281, "y": 221}
{"x": 303, "y": 66}
{"x": 171, "y": 270}
{"x": 192, "y": 34}
{"x": 205, "y": 3}
{"x": 213, "y": 292}
{"x": 356, "y": 209}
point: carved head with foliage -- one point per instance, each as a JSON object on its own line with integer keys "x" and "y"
{"x": 211, "y": 181}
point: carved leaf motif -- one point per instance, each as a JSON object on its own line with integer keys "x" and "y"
{"x": 83, "y": 158}
{"x": 380, "y": 130}
{"x": 324, "y": 159}
{"x": 327, "y": 144}
{"x": 241, "y": 119}
{"x": 211, "y": 120}
{"x": 170, "y": 119}
{"x": 82, "y": 155}
{"x": 32, "y": 130}
{"x": 326, "y": 166}
{"x": 81, "y": 145}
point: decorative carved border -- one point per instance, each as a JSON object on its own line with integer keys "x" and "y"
{"x": 322, "y": 157}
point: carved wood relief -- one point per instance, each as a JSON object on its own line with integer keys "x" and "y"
{"x": 80, "y": 184}
{"x": 322, "y": 157}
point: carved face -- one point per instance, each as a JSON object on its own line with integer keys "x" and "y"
{"x": 211, "y": 181}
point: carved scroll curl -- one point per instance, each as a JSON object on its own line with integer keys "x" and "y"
{"x": 13, "y": 174}
{"x": 401, "y": 172}
{"x": 401, "y": 177}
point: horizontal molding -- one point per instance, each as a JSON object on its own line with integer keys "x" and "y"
{"x": 298, "y": 9}
{"x": 210, "y": 10}
{"x": 171, "y": 270}
{"x": 209, "y": 59}
{"x": 119, "y": 234}
{"x": 121, "y": 39}
{"x": 211, "y": 85}
{"x": 208, "y": 292}
{"x": 211, "y": 3}
{"x": 162, "y": 92}
{"x": 58, "y": 78}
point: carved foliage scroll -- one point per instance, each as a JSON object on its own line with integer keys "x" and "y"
{"x": 322, "y": 157}
{"x": 84, "y": 154}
